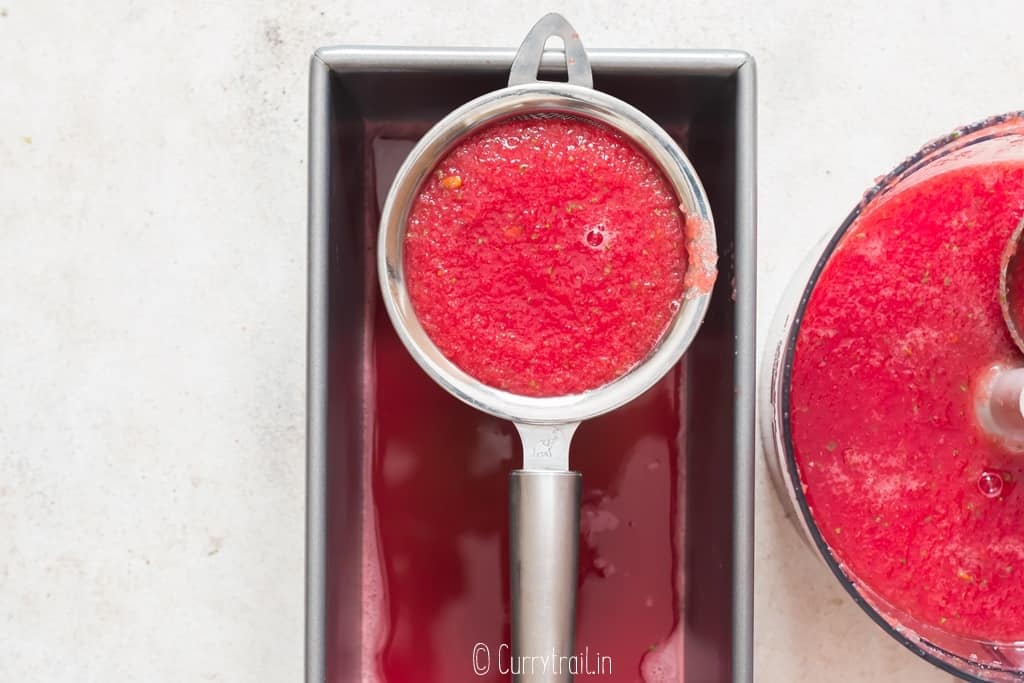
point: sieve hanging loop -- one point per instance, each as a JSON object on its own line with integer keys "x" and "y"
{"x": 526, "y": 65}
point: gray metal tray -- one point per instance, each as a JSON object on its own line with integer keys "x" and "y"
{"x": 706, "y": 100}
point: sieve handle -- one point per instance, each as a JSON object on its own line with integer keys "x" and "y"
{"x": 526, "y": 65}
{"x": 544, "y": 512}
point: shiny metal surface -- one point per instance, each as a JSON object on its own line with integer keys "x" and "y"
{"x": 544, "y": 517}
{"x": 1009, "y": 296}
{"x": 526, "y": 65}
{"x": 546, "y": 447}
{"x": 705, "y": 97}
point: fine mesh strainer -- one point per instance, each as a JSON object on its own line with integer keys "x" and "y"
{"x": 544, "y": 496}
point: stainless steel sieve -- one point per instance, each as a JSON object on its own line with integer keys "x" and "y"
{"x": 544, "y": 496}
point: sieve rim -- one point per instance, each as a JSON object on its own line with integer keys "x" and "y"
{"x": 532, "y": 98}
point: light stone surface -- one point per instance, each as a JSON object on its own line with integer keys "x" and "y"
{"x": 152, "y": 297}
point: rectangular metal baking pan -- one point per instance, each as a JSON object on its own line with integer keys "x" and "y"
{"x": 706, "y": 99}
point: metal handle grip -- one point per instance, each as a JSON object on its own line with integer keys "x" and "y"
{"x": 526, "y": 65}
{"x": 544, "y": 509}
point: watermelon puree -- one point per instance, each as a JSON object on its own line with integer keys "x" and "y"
{"x": 916, "y": 501}
{"x": 547, "y": 256}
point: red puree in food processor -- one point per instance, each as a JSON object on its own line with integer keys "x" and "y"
{"x": 547, "y": 256}
{"x": 913, "y": 497}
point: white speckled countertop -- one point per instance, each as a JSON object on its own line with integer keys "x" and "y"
{"x": 152, "y": 297}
